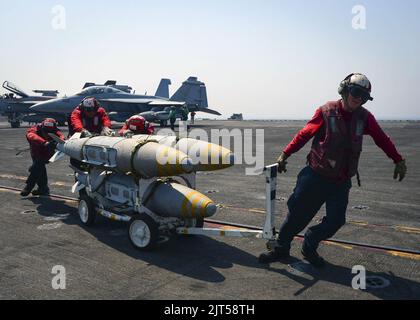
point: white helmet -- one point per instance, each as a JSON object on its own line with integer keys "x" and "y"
{"x": 360, "y": 80}
{"x": 89, "y": 103}
{"x": 357, "y": 80}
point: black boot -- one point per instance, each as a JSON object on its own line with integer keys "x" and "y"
{"x": 26, "y": 191}
{"x": 312, "y": 256}
{"x": 274, "y": 255}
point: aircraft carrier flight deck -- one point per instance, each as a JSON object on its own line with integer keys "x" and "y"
{"x": 382, "y": 233}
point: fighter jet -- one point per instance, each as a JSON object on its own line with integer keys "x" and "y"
{"x": 15, "y": 105}
{"x": 161, "y": 115}
{"x": 121, "y": 105}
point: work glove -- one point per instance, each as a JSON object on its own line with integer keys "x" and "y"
{"x": 128, "y": 134}
{"x": 400, "y": 170}
{"x": 107, "y": 132}
{"x": 50, "y": 145}
{"x": 85, "y": 134}
{"x": 282, "y": 162}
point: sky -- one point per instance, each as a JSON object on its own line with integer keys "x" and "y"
{"x": 267, "y": 59}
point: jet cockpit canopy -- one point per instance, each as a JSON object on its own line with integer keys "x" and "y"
{"x": 15, "y": 89}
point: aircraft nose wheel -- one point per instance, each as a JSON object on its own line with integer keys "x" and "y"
{"x": 143, "y": 232}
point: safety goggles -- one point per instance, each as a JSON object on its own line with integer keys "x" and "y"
{"x": 49, "y": 126}
{"x": 358, "y": 92}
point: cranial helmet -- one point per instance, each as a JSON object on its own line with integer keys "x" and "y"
{"x": 137, "y": 123}
{"x": 358, "y": 85}
{"x": 49, "y": 125}
{"x": 89, "y": 104}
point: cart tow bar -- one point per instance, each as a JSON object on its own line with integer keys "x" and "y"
{"x": 269, "y": 231}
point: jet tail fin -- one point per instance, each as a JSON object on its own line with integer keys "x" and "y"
{"x": 194, "y": 94}
{"x": 163, "y": 89}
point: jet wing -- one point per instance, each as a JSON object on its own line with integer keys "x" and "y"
{"x": 205, "y": 110}
{"x": 161, "y": 102}
{"x": 151, "y": 102}
{"x": 166, "y": 103}
{"x": 24, "y": 102}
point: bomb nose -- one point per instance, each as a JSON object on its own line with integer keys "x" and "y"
{"x": 210, "y": 209}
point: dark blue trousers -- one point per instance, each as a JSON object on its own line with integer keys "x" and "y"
{"x": 310, "y": 193}
{"x": 172, "y": 121}
{"x": 37, "y": 175}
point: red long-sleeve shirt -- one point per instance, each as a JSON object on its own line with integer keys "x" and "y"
{"x": 373, "y": 129}
{"x": 37, "y": 143}
{"x": 94, "y": 125}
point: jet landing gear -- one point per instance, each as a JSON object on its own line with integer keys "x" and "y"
{"x": 15, "y": 124}
{"x": 14, "y": 120}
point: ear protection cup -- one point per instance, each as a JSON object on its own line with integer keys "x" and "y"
{"x": 342, "y": 89}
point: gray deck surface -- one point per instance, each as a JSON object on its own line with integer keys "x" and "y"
{"x": 39, "y": 233}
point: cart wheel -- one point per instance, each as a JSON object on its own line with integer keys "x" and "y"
{"x": 86, "y": 210}
{"x": 143, "y": 232}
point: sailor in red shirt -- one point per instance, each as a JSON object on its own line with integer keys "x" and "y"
{"x": 136, "y": 125}
{"x": 90, "y": 118}
{"x": 42, "y": 149}
{"x": 337, "y": 129}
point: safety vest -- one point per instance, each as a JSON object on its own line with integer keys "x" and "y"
{"x": 336, "y": 148}
{"x": 92, "y": 124}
